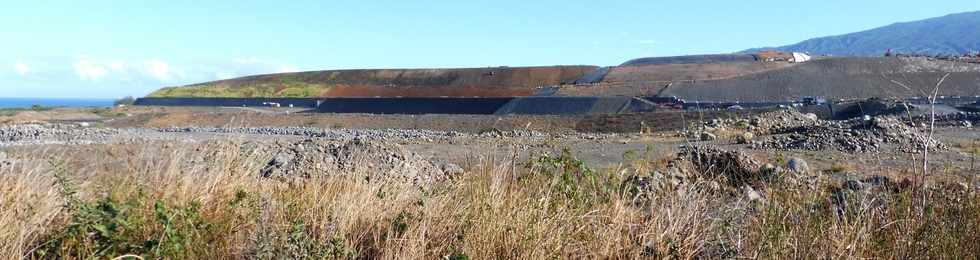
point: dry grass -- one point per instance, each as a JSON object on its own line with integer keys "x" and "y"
{"x": 206, "y": 201}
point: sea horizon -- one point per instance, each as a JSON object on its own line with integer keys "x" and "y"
{"x": 27, "y": 102}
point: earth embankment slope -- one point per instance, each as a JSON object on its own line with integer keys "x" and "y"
{"x": 837, "y": 78}
{"x": 484, "y": 82}
{"x": 648, "y": 76}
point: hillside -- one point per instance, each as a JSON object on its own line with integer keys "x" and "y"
{"x": 833, "y": 78}
{"x": 485, "y": 82}
{"x": 647, "y": 76}
{"x": 952, "y": 34}
{"x": 837, "y": 78}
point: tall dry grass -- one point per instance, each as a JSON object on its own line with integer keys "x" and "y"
{"x": 171, "y": 200}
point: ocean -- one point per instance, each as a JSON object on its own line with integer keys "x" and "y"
{"x": 55, "y": 102}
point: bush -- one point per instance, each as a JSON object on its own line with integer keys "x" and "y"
{"x": 125, "y": 101}
{"x": 39, "y": 108}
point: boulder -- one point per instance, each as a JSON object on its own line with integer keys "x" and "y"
{"x": 798, "y": 165}
{"x": 705, "y": 136}
{"x": 452, "y": 169}
{"x": 744, "y": 138}
{"x": 751, "y": 194}
{"x": 811, "y": 116}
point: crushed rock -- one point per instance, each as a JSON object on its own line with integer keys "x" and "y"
{"x": 731, "y": 172}
{"x": 789, "y": 129}
{"x": 961, "y": 119}
{"x": 781, "y": 121}
{"x": 371, "y": 160}
{"x": 30, "y": 134}
{"x": 310, "y": 132}
{"x": 735, "y": 167}
{"x": 855, "y": 135}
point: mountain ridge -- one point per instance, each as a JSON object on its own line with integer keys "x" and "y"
{"x": 952, "y": 34}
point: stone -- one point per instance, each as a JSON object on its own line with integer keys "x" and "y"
{"x": 745, "y": 138}
{"x": 452, "y": 169}
{"x": 798, "y": 165}
{"x": 705, "y": 136}
{"x": 751, "y": 194}
{"x": 811, "y": 116}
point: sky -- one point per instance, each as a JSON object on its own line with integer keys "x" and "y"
{"x": 109, "y": 49}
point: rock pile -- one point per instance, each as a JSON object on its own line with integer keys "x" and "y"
{"x": 961, "y": 119}
{"x": 766, "y": 123}
{"x": 333, "y": 134}
{"x": 381, "y": 134}
{"x": 497, "y": 133}
{"x": 856, "y": 135}
{"x": 735, "y": 167}
{"x": 52, "y": 133}
{"x": 729, "y": 172}
{"x": 782, "y": 121}
{"x": 371, "y": 160}
{"x": 790, "y": 129}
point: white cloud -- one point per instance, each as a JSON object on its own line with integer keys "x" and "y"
{"x": 287, "y": 68}
{"x": 117, "y": 66}
{"x": 88, "y": 69}
{"x": 249, "y": 60}
{"x": 647, "y": 42}
{"x": 158, "y": 69}
{"x": 22, "y": 68}
{"x": 154, "y": 71}
{"x": 224, "y": 75}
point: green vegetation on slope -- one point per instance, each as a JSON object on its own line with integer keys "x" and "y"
{"x": 499, "y": 81}
{"x": 284, "y": 87}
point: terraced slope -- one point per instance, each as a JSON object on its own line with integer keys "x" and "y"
{"x": 486, "y": 82}
{"x": 642, "y": 79}
{"x": 837, "y": 78}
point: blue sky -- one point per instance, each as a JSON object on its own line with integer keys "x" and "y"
{"x": 117, "y": 48}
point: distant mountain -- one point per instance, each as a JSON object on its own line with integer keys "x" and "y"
{"x": 951, "y": 34}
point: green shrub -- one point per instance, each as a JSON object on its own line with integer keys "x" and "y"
{"x": 125, "y": 101}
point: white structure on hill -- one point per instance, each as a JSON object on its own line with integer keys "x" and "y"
{"x": 799, "y": 57}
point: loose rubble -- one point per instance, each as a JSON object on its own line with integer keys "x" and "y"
{"x": 334, "y": 134}
{"x": 790, "y": 129}
{"x": 856, "y": 135}
{"x": 34, "y": 134}
{"x": 52, "y": 134}
{"x": 381, "y": 134}
{"x": 735, "y": 167}
{"x": 960, "y": 119}
{"x": 371, "y": 160}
